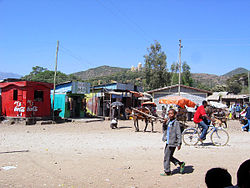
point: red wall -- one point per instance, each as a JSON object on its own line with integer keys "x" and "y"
{"x": 25, "y": 105}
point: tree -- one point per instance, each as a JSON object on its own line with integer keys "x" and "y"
{"x": 219, "y": 88}
{"x": 41, "y": 74}
{"x": 186, "y": 75}
{"x": 234, "y": 87}
{"x": 186, "y": 78}
{"x": 199, "y": 85}
{"x": 37, "y": 70}
{"x": 174, "y": 76}
{"x": 237, "y": 83}
{"x": 155, "y": 67}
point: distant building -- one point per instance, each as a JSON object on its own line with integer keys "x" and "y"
{"x": 139, "y": 68}
{"x": 133, "y": 69}
{"x": 228, "y": 98}
{"x": 194, "y": 94}
{"x": 217, "y": 96}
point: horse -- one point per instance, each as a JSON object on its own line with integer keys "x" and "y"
{"x": 138, "y": 114}
{"x": 218, "y": 115}
{"x": 182, "y": 115}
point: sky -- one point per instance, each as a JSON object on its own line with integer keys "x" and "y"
{"x": 215, "y": 34}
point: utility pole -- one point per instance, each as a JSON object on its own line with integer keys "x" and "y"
{"x": 57, "y": 48}
{"x": 179, "y": 87}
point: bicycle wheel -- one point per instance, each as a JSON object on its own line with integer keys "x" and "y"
{"x": 190, "y": 136}
{"x": 219, "y": 137}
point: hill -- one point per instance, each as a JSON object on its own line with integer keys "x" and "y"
{"x": 239, "y": 70}
{"x": 119, "y": 74}
{"x": 209, "y": 80}
{"x": 4, "y": 75}
{"x": 98, "y": 72}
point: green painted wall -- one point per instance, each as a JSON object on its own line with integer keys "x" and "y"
{"x": 60, "y": 102}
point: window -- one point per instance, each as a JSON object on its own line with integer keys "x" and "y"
{"x": 38, "y": 95}
{"x": 15, "y": 94}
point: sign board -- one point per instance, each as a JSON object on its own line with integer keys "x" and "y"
{"x": 64, "y": 89}
{"x": 80, "y": 87}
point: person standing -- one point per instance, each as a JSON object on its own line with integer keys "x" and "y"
{"x": 200, "y": 117}
{"x": 237, "y": 111}
{"x": 172, "y": 137}
{"x": 234, "y": 111}
{"x": 248, "y": 118}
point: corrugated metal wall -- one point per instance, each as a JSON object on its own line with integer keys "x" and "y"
{"x": 191, "y": 94}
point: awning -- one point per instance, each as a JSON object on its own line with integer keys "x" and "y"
{"x": 114, "y": 93}
{"x": 179, "y": 100}
{"x": 147, "y": 95}
{"x": 217, "y": 104}
{"x": 144, "y": 99}
{"x": 136, "y": 94}
{"x": 149, "y": 103}
{"x": 231, "y": 96}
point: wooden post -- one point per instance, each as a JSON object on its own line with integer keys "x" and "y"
{"x": 103, "y": 111}
{"x": 110, "y": 96}
{"x": 53, "y": 107}
{"x": 92, "y": 110}
{"x": 179, "y": 88}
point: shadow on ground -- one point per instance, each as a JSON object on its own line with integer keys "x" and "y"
{"x": 20, "y": 151}
{"x": 188, "y": 170}
{"x": 151, "y": 131}
{"x": 124, "y": 127}
{"x": 206, "y": 144}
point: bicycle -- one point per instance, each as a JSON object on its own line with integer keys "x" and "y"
{"x": 218, "y": 135}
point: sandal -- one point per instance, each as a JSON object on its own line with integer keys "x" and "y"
{"x": 182, "y": 167}
{"x": 166, "y": 174}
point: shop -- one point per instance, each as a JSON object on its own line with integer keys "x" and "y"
{"x": 102, "y": 96}
{"x": 70, "y": 99}
{"x": 25, "y": 99}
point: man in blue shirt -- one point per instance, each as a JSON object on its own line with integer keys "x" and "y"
{"x": 248, "y": 118}
{"x": 237, "y": 111}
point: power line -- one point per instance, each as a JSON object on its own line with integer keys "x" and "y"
{"x": 135, "y": 26}
{"x": 218, "y": 39}
{"x": 131, "y": 21}
{"x": 121, "y": 15}
{"x": 221, "y": 41}
{"x": 78, "y": 58}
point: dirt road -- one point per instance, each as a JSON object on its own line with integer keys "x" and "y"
{"x": 93, "y": 155}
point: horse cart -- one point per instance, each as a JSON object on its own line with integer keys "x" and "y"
{"x": 144, "y": 114}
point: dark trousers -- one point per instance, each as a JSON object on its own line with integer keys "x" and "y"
{"x": 168, "y": 157}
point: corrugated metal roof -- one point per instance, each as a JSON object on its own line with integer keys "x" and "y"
{"x": 26, "y": 84}
{"x": 173, "y": 86}
{"x": 232, "y": 96}
{"x": 216, "y": 96}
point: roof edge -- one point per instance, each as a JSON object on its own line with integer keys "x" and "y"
{"x": 173, "y": 86}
